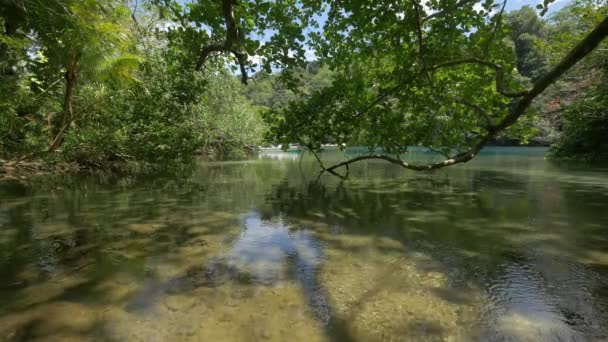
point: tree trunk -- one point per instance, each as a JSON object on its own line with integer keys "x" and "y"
{"x": 62, "y": 123}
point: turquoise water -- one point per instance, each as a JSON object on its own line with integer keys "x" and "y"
{"x": 508, "y": 247}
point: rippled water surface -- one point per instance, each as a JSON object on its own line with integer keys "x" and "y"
{"x": 509, "y": 247}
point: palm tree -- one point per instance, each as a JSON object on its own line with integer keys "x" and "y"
{"x": 88, "y": 41}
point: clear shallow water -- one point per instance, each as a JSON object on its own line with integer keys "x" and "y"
{"x": 508, "y": 247}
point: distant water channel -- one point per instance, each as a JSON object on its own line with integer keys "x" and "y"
{"x": 508, "y": 247}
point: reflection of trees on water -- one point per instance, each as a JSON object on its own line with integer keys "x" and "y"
{"x": 519, "y": 238}
{"x": 271, "y": 251}
{"x": 95, "y": 228}
{"x": 280, "y": 155}
{"x": 497, "y": 229}
{"x": 264, "y": 247}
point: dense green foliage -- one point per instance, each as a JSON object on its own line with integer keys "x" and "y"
{"x": 539, "y": 42}
{"x": 362, "y": 108}
{"x": 578, "y": 104}
{"x": 527, "y": 32}
{"x": 83, "y": 82}
{"x": 170, "y": 114}
{"x": 377, "y": 99}
{"x": 447, "y": 95}
{"x": 586, "y": 127}
{"x": 97, "y": 81}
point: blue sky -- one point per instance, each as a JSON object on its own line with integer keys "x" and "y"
{"x": 516, "y": 4}
{"x": 511, "y": 4}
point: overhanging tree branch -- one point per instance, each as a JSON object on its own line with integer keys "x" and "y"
{"x": 228, "y": 45}
{"x": 242, "y": 60}
{"x": 500, "y": 88}
{"x": 518, "y": 106}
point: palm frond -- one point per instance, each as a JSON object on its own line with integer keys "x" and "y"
{"x": 122, "y": 68}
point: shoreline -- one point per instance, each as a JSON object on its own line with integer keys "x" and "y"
{"x": 20, "y": 170}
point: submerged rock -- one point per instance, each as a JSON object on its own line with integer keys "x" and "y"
{"x": 179, "y": 303}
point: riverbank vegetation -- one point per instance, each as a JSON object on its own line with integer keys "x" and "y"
{"x": 83, "y": 82}
{"x": 97, "y": 82}
{"x": 571, "y": 114}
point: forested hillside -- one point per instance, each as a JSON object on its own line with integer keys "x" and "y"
{"x": 571, "y": 114}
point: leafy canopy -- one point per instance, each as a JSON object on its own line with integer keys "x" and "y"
{"x": 407, "y": 74}
{"x": 442, "y": 74}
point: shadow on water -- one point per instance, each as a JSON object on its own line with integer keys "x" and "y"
{"x": 525, "y": 249}
{"x": 251, "y": 249}
{"x": 72, "y": 243}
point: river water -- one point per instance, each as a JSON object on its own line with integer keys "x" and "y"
{"x": 508, "y": 247}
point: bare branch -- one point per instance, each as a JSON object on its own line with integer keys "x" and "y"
{"x": 580, "y": 51}
{"x": 134, "y": 18}
{"x": 49, "y": 88}
{"x": 478, "y": 109}
{"x": 460, "y": 159}
{"x": 57, "y": 139}
{"x": 317, "y": 157}
{"x": 142, "y": 34}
